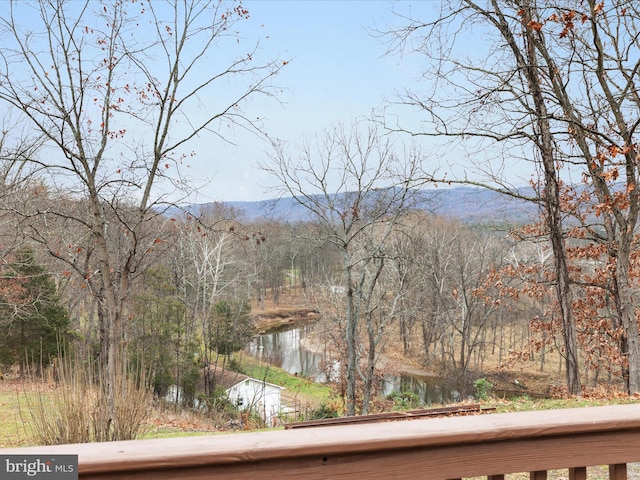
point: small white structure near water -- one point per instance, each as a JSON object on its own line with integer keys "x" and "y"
{"x": 248, "y": 393}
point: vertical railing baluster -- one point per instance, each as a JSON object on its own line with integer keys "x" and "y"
{"x": 540, "y": 475}
{"x": 578, "y": 473}
{"x": 618, "y": 471}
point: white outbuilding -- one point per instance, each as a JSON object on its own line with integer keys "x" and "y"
{"x": 248, "y": 393}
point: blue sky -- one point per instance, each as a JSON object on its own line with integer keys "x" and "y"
{"x": 337, "y": 72}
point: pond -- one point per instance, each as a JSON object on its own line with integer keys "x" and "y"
{"x": 429, "y": 390}
{"x": 283, "y": 349}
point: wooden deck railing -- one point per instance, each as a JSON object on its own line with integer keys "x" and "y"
{"x": 443, "y": 448}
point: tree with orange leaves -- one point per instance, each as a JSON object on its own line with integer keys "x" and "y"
{"x": 555, "y": 84}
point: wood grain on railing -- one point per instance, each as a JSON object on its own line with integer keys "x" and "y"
{"x": 440, "y": 448}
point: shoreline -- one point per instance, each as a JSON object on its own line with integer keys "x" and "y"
{"x": 273, "y": 320}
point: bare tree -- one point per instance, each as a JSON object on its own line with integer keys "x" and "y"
{"x": 445, "y": 266}
{"x": 475, "y": 256}
{"x": 592, "y": 82}
{"x": 206, "y": 277}
{"x": 563, "y": 80}
{"x": 497, "y": 100}
{"x": 118, "y": 91}
{"x": 17, "y": 182}
{"x": 357, "y": 187}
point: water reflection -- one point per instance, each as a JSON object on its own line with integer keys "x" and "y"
{"x": 429, "y": 390}
{"x": 283, "y": 349}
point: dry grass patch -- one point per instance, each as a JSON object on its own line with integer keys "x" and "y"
{"x": 77, "y": 410}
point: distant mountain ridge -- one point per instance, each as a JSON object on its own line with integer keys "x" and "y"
{"x": 471, "y": 205}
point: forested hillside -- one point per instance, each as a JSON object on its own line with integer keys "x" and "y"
{"x": 470, "y": 205}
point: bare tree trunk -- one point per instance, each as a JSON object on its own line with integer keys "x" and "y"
{"x": 528, "y": 64}
{"x": 351, "y": 338}
{"x": 370, "y": 370}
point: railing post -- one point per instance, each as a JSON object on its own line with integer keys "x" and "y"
{"x": 539, "y": 475}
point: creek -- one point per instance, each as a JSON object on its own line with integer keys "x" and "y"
{"x": 284, "y": 349}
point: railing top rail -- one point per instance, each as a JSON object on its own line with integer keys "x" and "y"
{"x": 225, "y": 449}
